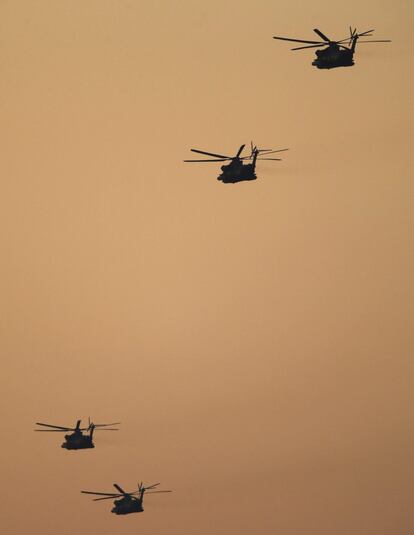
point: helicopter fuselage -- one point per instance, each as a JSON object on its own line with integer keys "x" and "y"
{"x": 78, "y": 441}
{"x": 333, "y": 56}
{"x": 236, "y": 171}
{"x": 127, "y": 505}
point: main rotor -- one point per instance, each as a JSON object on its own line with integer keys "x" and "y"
{"x": 255, "y": 151}
{"x": 134, "y": 495}
{"x": 326, "y": 41}
{"x": 91, "y": 427}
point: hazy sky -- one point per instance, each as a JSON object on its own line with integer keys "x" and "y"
{"x": 255, "y": 340}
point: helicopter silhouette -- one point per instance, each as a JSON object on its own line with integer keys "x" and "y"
{"x": 336, "y": 53}
{"x": 237, "y": 170}
{"x": 77, "y": 440}
{"x": 128, "y": 502}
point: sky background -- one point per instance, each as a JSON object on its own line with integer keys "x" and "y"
{"x": 255, "y": 340}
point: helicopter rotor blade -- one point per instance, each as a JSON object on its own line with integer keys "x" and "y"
{"x": 264, "y": 152}
{"x": 240, "y": 151}
{"x": 108, "y": 497}
{"x": 351, "y": 36}
{"x": 259, "y": 159}
{"x": 158, "y": 491}
{"x": 270, "y": 151}
{"x": 119, "y": 489}
{"x": 210, "y": 153}
{"x": 377, "y": 41}
{"x": 277, "y": 150}
{"x": 321, "y": 35}
{"x": 363, "y": 33}
{"x": 343, "y": 41}
{"x": 152, "y": 486}
{"x": 218, "y": 160}
{"x": 52, "y": 430}
{"x": 297, "y": 40}
{"x": 99, "y": 493}
{"x": 110, "y": 429}
{"x": 56, "y": 427}
{"x": 106, "y": 425}
{"x": 308, "y": 46}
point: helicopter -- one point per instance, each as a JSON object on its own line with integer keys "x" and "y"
{"x": 337, "y": 54}
{"x": 237, "y": 170}
{"x": 128, "y": 502}
{"x": 77, "y": 440}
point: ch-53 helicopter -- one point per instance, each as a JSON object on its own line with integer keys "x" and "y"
{"x": 77, "y": 440}
{"x": 129, "y": 502}
{"x": 237, "y": 170}
{"x": 336, "y": 53}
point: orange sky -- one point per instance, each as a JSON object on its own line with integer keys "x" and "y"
{"x": 255, "y": 340}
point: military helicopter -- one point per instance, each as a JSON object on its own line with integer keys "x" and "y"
{"x": 337, "y": 54}
{"x": 77, "y": 440}
{"x": 237, "y": 170}
{"x": 129, "y": 502}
